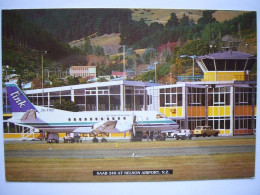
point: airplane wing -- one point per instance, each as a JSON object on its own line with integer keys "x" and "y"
{"x": 83, "y": 130}
{"x": 105, "y": 127}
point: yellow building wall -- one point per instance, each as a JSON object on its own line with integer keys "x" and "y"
{"x": 244, "y": 110}
{"x": 61, "y": 135}
{"x": 218, "y": 111}
{"x": 224, "y": 76}
{"x": 171, "y": 111}
{"x": 26, "y": 135}
{"x": 197, "y": 111}
{"x": 224, "y": 132}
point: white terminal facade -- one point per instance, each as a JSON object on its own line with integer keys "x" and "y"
{"x": 224, "y": 98}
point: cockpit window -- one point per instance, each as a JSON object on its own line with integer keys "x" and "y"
{"x": 160, "y": 116}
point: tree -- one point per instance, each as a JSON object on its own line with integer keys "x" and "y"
{"x": 72, "y": 80}
{"x": 184, "y": 21}
{"x": 98, "y": 50}
{"x": 184, "y": 65}
{"x": 155, "y": 27}
{"x": 207, "y": 17}
{"x": 100, "y": 26}
{"x": 87, "y": 48}
{"x": 172, "y": 22}
{"x": 146, "y": 76}
{"x": 67, "y": 105}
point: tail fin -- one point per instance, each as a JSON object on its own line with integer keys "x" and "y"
{"x": 18, "y": 100}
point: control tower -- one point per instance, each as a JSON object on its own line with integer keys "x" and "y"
{"x": 226, "y": 66}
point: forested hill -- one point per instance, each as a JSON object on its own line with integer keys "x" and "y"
{"x": 72, "y": 24}
{"x": 26, "y": 33}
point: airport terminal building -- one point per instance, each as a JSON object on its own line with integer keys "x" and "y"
{"x": 224, "y": 97}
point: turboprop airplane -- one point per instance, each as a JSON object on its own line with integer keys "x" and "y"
{"x": 55, "y": 121}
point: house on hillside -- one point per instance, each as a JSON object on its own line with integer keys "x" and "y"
{"x": 120, "y": 75}
{"x": 83, "y": 71}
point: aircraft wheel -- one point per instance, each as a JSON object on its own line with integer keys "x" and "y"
{"x": 95, "y": 140}
{"x": 103, "y": 140}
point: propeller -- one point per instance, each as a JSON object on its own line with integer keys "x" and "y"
{"x": 134, "y": 122}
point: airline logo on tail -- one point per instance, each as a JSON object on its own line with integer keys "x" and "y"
{"x": 17, "y": 99}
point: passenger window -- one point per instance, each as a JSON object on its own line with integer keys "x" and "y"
{"x": 85, "y": 119}
{"x": 108, "y": 118}
{"x": 124, "y": 118}
{"x": 118, "y": 118}
{"x": 113, "y": 118}
{"x": 79, "y": 119}
{"x": 102, "y": 118}
{"x": 90, "y": 119}
{"x": 75, "y": 119}
{"x": 69, "y": 119}
{"x": 96, "y": 119}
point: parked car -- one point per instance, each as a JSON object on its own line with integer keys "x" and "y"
{"x": 205, "y": 131}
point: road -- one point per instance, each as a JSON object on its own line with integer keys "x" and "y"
{"x": 117, "y": 153}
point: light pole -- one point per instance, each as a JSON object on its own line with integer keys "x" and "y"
{"x": 123, "y": 62}
{"x": 42, "y": 53}
{"x": 155, "y": 75}
{"x": 193, "y": 61}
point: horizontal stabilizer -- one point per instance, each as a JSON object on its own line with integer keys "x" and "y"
{"x": 29, "y": 115}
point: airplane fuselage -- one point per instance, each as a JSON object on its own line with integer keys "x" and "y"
{"x": 54, "y": 120}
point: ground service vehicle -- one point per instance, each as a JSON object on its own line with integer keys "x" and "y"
{"x": 172, "y": 134}
{"x": 205, "y": 131}
{"x": 184, "y": 134}
{"x": 71, "y": 138}
{"x": 53, "y": 138}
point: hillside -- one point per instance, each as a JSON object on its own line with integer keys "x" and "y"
{"x": 163, "y": 15}
{"x": 110, "y": 43}
{"x": 24, "y": 38}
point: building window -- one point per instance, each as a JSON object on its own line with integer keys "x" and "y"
{"x": 170, "y": 97}
{"x": 219, "y": 96}
{"x": 243, "y": 96}
{"x": 196, "y": 96}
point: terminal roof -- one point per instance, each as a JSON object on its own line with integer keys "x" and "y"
{"x": 227, "y": 55}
